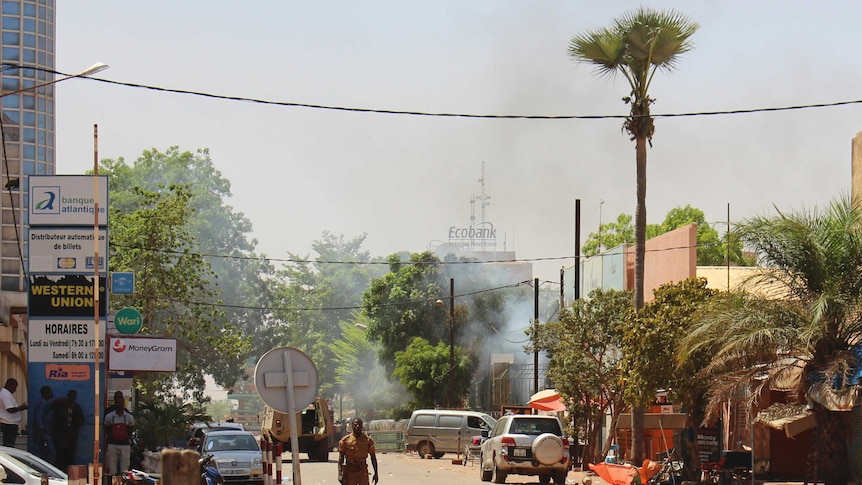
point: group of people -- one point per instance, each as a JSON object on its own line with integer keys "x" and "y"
{"x": 54, "y": 422}
{"x": 54, "y": 425}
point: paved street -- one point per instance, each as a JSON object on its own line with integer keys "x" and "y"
{"x": 404, "y": 469}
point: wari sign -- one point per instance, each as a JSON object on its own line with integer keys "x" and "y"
{"x": 65, "y": 251}
{"x": 64, "y": 296}
{"x": 128, "y": 321}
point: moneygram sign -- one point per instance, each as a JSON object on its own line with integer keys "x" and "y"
{"x": 67, "y": 200}
{"x": 142, "y": 354}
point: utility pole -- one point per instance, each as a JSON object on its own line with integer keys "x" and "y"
{"x": 451, "y": 342}
{"x": 535, "y": 335}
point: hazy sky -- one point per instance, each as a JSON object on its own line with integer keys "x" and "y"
{"x": 404, "y": 180}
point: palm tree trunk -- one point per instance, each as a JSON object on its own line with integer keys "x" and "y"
{"x": 640, "y": 253}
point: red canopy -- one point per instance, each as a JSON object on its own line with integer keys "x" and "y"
{"x": 547, "y": 400}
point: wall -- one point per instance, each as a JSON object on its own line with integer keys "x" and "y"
{"x": 671, "y": 257}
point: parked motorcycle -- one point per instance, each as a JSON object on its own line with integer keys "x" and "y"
{"x": 209, "y": 474}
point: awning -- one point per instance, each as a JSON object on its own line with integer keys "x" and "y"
{"x": 792, "y": 418}
{"x": 547, "y": 400}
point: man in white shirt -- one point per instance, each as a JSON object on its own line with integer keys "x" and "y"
{"x": 10, "y": 412}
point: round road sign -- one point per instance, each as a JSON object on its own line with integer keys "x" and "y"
{"x": 272, "y": 379}
{"x": 128, "y": 321}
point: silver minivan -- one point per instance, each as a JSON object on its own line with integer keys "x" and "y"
{"x": 438, "y": 431}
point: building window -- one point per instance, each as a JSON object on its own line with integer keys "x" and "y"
{"x": 13, "y": 8}
{"x": 10, "y": 54}
{"x": 11, "y": 23}
{"x": 11, "y": 38}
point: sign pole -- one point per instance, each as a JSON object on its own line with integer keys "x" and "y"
{"x": 291, "y": 408}
{"x": 97, "y": 398}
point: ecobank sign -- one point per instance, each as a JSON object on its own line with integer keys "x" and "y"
{"x": 67, "y": 200}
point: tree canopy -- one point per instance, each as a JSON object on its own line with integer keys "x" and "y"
{"x": 169, "y": 214}
{"x": 712, "y": 249}
{"x": 584, "y": 349}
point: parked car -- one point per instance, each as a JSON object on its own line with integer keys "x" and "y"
{"x": 21, "y": 467}
{"x": 197, "y": 430}
{"x": 236, "y": 454}
{"x": 438, "y": 431}
{"x": 525, "y": 445}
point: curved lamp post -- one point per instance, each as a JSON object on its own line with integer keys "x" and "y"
{"x": 97, "y": 67}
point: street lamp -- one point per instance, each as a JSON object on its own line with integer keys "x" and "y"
{"x": 95, "y": 68}
{"x": 451, "y": 318}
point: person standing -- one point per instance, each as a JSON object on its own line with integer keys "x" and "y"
{"x": 42, "y": 423}
{"x": 119, "y": 425}
{"x": 10, "y": 412}
{"x": 68, "y": 417}
{"x": 353, "y": 449}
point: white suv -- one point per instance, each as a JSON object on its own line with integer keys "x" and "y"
{"x": 525, "y": 445}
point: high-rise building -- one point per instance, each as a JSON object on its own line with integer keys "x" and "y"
{"x": 27, "y": 56}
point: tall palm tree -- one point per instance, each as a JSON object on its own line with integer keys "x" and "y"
{"x": 811, "y": 320}
{"x": 636, "y": 45}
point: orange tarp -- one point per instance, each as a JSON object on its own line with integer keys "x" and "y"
{"x": 624, "y": 474}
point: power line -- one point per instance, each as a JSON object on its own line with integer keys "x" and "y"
{"x": 342, "y": 308}
{"x": 629, "y": 250}
{"x": 294, "y": 104}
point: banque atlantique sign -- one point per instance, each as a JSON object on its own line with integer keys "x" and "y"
{"x": 481, "y": 236}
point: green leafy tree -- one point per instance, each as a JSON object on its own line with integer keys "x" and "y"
{"x": 637, "y": 45}
{"x": 584, "y": 348}
{"x": 218, "y": 233}
{"x": 401, "y": 305}
{"x": 650, "y": 350}
{"x": 813, "y": 325}
{"x": 424, "y": 370}
{"x": 712, "y": 250}
{"x": 171, "y": 281}
{"x": 317, "y": 297}
{"x": 163, "y": 422}
{"x": 610, "y": 235}
{"x": 359, "y": 374}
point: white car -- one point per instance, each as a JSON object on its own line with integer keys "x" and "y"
{"x": 523, "y": 444}
{"x": 21, "y": 467}
{"x": 236, "y": 454}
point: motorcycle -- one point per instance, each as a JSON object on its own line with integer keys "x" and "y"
{"x": 209, "y": 474}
